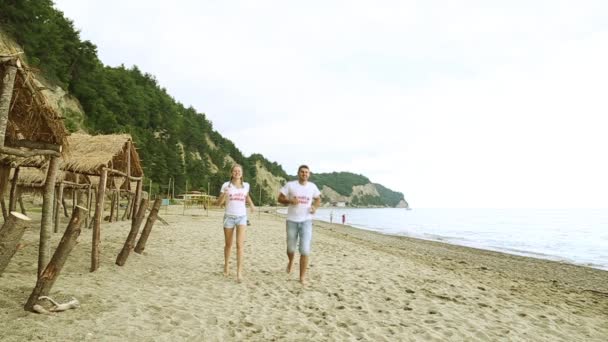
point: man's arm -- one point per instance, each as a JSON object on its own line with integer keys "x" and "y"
{"x": 284, "y": 200}
{"x": 316, "y": 203}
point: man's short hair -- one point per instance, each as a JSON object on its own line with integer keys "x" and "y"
{"x": 303, "y": 167}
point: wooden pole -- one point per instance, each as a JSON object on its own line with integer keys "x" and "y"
{"x": 136, "y": 199}
{"x": 12, "y": 202}
{"x": 5, "y": 172}
{"x": 130, "y": 242}
{"x": 141, "y": 243}
{"x": 117, "y": 202}
{"x": 10, "y": 234}
{"x": 58, "y": 204}
{"x": 46, "y": 226}
{"x": 95, "y": 252}
{"x": 4, "y": 208}
{"x": 20, "y": 199}
{"x": 112, "y": 205}
{"x": 63, "y": 204}
{"x": 126, "y": 213}
{"x": 51, "y": 272}
{"x": 128, "y": 164}
{"x": 89, "y": 202}
{"x": 169, "y": 188}
{"x": 185, "y": 198}
{"x": 6, "y": 94}
{"x": 92, "y": 196}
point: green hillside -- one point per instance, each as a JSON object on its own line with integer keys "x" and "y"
{"x": 173, "y": 140}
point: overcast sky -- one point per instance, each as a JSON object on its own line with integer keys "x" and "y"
{"x": 454, "y": 103}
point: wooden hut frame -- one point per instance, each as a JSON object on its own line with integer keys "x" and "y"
{"x": 30, "y": 128}
{"x": 112, "y": 158}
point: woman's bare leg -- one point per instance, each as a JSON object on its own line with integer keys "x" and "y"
{"x": 228, "y": 232}
{"x": 240, "y": 246}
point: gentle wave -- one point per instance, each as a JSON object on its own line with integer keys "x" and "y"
{"x": 577, "y": 236}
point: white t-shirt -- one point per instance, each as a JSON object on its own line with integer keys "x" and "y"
{"x": 305, "y": 193}
{"x": 236, "y": 198}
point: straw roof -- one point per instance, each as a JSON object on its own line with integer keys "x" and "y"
{"x": 31, "y": 116}
{"x": 34, "y": 177}
{"x": 89, "y": 154}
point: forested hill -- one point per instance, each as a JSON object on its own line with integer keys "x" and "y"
{"x": 173, "y": 140}
{"x": 356, "y": 190}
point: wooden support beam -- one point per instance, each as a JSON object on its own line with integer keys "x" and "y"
{"x": 6, "y": 95}
{"x": 47, "y": 278}
{"x": 28, "y": 153}
{"x": 12, "y": 202}
{"x": 136, "y": 199}
{"x": 46, "y": 225}
{"x": 130, "y": 242}
{"x": 34, "y": 145}
{"x": 58, "y": 203}
{"x": 89, "y": 202}
{"x": 125, "y": 214}
{"x": 95, "y": 252}
{"x": 141, "y": 243}
{"x": 10, "y": 234}
{"x": 20, "y": 199}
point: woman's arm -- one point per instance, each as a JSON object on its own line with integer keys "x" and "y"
{"x": 222, "y": 198}
{"x": 251, "y": 205}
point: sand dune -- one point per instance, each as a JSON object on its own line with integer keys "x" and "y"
{"x": 363, "y": 286}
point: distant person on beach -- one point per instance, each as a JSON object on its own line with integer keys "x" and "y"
{"x": 235, "y": 194}
{"x": 303, "y": 199}
{"x": 343, "y": 218}
{"x": 331, "y": 216}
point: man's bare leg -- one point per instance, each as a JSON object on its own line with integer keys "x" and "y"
{"x": 290, "y": 264}
{"x": 303, "y": 268}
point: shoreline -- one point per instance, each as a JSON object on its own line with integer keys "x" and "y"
{"x": 362, "y": 285}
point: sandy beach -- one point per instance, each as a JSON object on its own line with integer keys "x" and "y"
{"x": 362, "y": 286}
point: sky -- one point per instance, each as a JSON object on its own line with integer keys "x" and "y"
{"x": 456, "y": 104}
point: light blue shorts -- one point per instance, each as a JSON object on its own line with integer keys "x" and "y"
{"x": 230, "y": 221}
{"x": 301, "y": 230}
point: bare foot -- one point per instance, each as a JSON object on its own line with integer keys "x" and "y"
{"x": 239, "y": 278}
{"x": 226, "y": 271}
{"x": 303, "y": 282}
{"x": 289, "y": 267}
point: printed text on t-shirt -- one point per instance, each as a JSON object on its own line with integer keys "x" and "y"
{"x": 239, "y": 196}
{"x": 302, "y": 199}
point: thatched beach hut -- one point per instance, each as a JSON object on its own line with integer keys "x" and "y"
{"x": 29, "y": 128}
{"x": 113, "y": 163}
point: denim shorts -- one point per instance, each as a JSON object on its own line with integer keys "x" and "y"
{"x": 230, "y": 221}
{"x": 301, "y": 231}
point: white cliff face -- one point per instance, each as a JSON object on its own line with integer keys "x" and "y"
{"x": 362, "y": 190}
{"x": 330, "y": 195}
{"x": 271, "y": 183}
{"x": 402, "y": 204}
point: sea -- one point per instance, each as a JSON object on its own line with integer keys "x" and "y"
{"x": 576, "y": 236}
